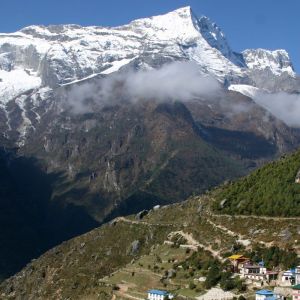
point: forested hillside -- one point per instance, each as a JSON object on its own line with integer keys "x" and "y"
{"x": 270, "y": 190}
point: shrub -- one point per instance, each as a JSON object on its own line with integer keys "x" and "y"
{"x": 192, "y": 285}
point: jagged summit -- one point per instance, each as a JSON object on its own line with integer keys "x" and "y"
{"x": 177, "y": 24}
{"x": 277, "y": 61}
{"x": 184, "y": 11}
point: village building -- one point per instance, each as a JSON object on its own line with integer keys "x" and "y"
{"x": 159, "y": 295}
{"x": 297, "y": 275}
{"x": 296, "y": 292}
{"x": 267, "y": 295}
{"x": 257, "y": 272}
{"x": 288, "y": 277}
{"x": 264, "y": 294}
{"x": 237, "y": 261}
{"x": 253, "y": 271}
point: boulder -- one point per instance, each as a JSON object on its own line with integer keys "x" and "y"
{"x": 156, "y": 207}
{"x": 141, "y": 214}
{"x": 222, "y": 203}
{"x": 171, "y": 273}
{"x": 134, "y": 247}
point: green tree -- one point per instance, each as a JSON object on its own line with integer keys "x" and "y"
{"x": 213, "y": 276}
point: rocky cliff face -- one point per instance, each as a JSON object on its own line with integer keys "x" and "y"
{"x": 277, "y": 61}
{"x": 115, "y": 153}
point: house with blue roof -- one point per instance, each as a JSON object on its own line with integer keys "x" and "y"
{"x": 159, "y": 295}
{"x": 267, "y": 295}
{"x": 264, "y": 294}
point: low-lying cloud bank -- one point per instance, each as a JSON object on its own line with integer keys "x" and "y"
{"x": 284, "y": 106}
{"x": 177, "y": 81}
{"x": 180, "y": 81}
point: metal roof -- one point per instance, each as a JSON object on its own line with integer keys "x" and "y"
{"x": 237, "y": 256}
{"x": 296, "y": 287}
{"x": 158, "y": 292}
{"x": 265, "y": 292}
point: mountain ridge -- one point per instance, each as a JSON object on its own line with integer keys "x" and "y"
{"x": 158, "y": 27}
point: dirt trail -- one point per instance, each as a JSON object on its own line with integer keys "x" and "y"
{"x": 194, "y": 244}
{"x": 225, "y": 229}
{"x": 242, "y": 239}
{"x": 123, "y": 219}
{"x": 256, "y": 217}
{"x": 123, "y": 289}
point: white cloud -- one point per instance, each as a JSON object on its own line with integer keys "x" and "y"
{"x": 180, "y": 81}
{"x": 284, "y": 106}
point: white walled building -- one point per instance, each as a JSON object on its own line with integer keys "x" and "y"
{"x": 297, "y": 275}
{"x": 253, "y": 271}
{"x": 257, "y": 272}
{"x": 158, "y": 295}
{"x": 288, "y": 277}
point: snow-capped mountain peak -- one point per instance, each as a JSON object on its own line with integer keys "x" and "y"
{"x": 277, "y": 61}
{"x": 177, "y": 25}
{"x": 62, "y": 54}
{"x": 216, "y": 39}
{"x": 41, "y": 58}
{"x": 184, "y": 27}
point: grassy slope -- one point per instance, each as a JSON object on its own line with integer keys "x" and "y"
{"x": 88, "y": 266}
{"x": 270, "y": 191}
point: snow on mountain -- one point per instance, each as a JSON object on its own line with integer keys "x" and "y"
{"x": 64, "y": 53}
{"x": 56, "y": 55}
{"x": 277, "y": 61}
{"x": 244, "y": 89}
{"x": 216, "y": 39}
{"x": 16, "y": 82}
{"x": 61, "y": 54}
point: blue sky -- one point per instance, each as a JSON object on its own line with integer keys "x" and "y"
{"x": 271, "y": 24}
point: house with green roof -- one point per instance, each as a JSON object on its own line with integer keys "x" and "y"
{"x": 296, "y": 292}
